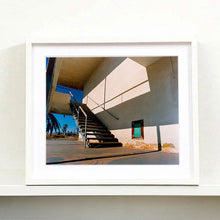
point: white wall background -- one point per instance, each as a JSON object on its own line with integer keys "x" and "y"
{"x": 110, "y": 19}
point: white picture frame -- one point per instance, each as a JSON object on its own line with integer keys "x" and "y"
{"x": 38, "y": 173}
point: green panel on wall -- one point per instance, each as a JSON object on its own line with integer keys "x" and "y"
{"x": 137, "y": 130}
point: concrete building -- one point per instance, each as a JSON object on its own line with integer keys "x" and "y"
{"x": 136, "y": 98}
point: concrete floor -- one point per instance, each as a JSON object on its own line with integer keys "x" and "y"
{"x": 71, "y": 152}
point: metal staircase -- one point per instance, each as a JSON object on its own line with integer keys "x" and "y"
{"x": 92, "y": 130}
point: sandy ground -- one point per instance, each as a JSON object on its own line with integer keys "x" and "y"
{"x": 69, "y": 152}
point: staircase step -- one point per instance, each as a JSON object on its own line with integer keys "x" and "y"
{"x": 95, "y": 129}
{"x": 82, "y": 126}
{"x": 88, "y": 119}
{"x": 105, "y": 144}
{"x": 100, "y": 134}
{"x": 83, "y": 121}
{"x": 90, "y": 123}
{"x": 104, "y": 139}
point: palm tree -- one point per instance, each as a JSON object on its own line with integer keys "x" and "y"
{"x": 64, "y": 128}
{"x": 52, "y": 123}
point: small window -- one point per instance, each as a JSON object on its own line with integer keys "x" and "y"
{"x": 138, "y": 129}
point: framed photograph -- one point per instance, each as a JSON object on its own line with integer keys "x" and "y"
{"x": 112, "y": 113}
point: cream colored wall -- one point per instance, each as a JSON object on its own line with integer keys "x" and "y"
{"x": 155, "y": 99}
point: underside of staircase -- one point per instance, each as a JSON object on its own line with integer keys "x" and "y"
{"x": 94, "y": 132}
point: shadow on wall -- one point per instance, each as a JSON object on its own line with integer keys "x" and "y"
{"x": 158, "y": 107}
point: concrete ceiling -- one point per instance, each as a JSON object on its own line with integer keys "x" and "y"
{"x": 145, "y": 61}
{"x": 75, "y": 71}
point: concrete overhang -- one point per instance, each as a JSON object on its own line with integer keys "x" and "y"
{"x": 60, "y": 104}
{"x": 74, "y": 72}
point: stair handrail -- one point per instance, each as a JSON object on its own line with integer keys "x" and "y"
{"x": 74, "y": 103}
{"x": 84, "y": 113}
{"x": 85, "y": 135}
{"x": 103, "y": 108}
{"x": 72, "y": 96}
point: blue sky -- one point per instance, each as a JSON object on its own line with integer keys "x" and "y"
{"x": 67, "y": 119}
{"x": 47, "y": 61}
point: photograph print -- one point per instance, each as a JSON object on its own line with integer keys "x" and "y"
{"x": 112, "y": 111}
